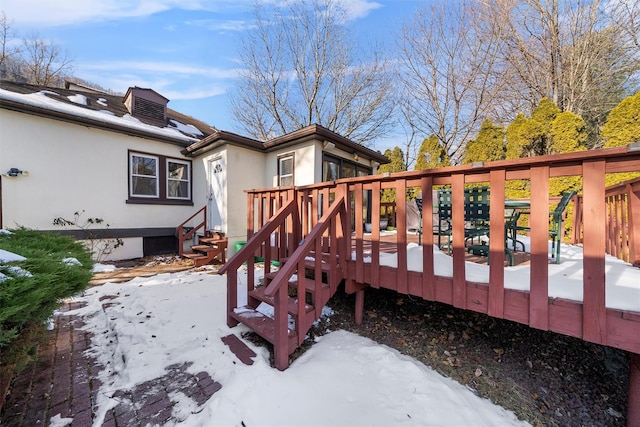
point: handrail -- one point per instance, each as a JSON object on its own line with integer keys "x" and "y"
{"x": 182, "y": 236}
{"x": 278, "y": 288}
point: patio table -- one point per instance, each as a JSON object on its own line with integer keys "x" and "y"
{"x": 513, "y": 210}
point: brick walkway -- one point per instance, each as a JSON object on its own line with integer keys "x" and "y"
{"x": 64, "y": 381}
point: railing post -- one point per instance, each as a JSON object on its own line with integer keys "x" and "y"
{"x": 428, "y": 269}
{"x": 634, "y": 222}
{"x": 594, "y": 310}
{"x": 497, "y": 244}
{"x": 459, "y": 291}
{"x": 539, "y": 276}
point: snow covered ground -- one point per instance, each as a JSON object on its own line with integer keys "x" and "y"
{"x": 177, "y": 318}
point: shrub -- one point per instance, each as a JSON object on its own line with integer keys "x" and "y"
{"x": 56, "y": 267}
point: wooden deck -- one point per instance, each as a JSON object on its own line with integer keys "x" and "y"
{"x": 299, "y": 223}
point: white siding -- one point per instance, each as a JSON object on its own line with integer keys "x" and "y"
{"x": 74, "y": 168}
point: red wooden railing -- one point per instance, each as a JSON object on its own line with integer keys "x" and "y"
{"x": 589, "y": 319}
{"x": 185, "y": 233}
{"x": 622, "y": 221}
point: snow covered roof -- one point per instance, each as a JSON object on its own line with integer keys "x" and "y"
{"x": 99, "y": 110}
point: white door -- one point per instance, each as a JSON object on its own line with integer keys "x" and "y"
{"x": 217, "y": 182}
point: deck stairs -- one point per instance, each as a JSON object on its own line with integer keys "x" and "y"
{"x": 314, "y": 298}
{"x": 284, "y": 304}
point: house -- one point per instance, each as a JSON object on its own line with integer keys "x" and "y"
{"x": 144, "y": 168}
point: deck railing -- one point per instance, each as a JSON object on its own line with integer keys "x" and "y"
{"x": 534, "y": 308}
{"x": 622, "y": 221}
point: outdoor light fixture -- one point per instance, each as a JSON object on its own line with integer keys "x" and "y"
{"x": 15, "y": 172}
{"x": 328, "y": 145}
{"x": 355, "y": 156}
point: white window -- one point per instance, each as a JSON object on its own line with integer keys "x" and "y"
{"x": 285, "y": 170}
{"x": 178, "y": 179}
{"x": 144, "y": 179}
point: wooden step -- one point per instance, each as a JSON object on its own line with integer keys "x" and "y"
{"x": 204, "y": 248}
{"x": 292, "y": 303}
{"x": 325, "y": 256}
{"x": 200, "y": 259}
{"x": 214, "y": 241}
{"x": 194, "y": 256}
{"x": 262, "y": 325}
{"x": 310, "y": 284}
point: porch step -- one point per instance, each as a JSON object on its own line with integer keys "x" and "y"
{"x": 207, "y": 251}
{"x": 262, "y": 325}
{"x": 204, "y": 248}
{"x": 214, "y": 241}
{"x": 197, "y": 258}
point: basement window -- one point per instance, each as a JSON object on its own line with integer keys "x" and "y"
{"x": 157, "y": 179}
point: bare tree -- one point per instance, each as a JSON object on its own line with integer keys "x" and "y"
{"x": 9, "y": 49}
{"x": 627, "y": 14}
{"x": 448, "y": 71}
{"x": 570, "y": 51}
{"x": 301, "y": 67}
{"x": 44, "y": 63}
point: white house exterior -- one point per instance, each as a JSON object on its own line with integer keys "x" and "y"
{"x": 142, "y": 167}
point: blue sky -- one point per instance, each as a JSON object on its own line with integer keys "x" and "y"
{"x": 184, "y": 49}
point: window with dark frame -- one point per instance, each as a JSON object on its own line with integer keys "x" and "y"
{"x": 285, "y": 170}
{"x": 158, "y": 179}
{"x": 335, "y": 168}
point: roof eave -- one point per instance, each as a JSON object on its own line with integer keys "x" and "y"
{"x": 71, "y": 118}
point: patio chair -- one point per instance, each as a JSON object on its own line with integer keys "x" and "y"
{"x": 476, "y": 212}
{"x": 556, "y": 217}
{"x": 443, "y": 226}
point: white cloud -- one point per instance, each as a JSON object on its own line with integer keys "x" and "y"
{"x": 157, "y": 67}
{"x": 221, "y": 25}
{"x": 356, "y": 9}
{"x": 64, "y": 12}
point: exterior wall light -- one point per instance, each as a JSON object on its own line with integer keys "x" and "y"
{"x": 15, "y": 172}
{"x": 328, "y": 145}
{"x": 355, "y": 156}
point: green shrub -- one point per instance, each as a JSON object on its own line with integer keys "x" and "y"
{"x": 31, "y": 290}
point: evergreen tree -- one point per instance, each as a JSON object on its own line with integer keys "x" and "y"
{"x": 623, "y": 123}
{"x": 622, "y": 128}
{"x": 569, "y": 134}
{"x": 432, "y": 154}
{"x": 488, "y": 146}
{"x": 539, "y": 128}
{"x": 515, "y": 137}
{"x": 396, "y": 164}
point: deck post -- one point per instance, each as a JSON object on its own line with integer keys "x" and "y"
{"x": 359, "y": 306}
{"x": 633, "y": 395}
